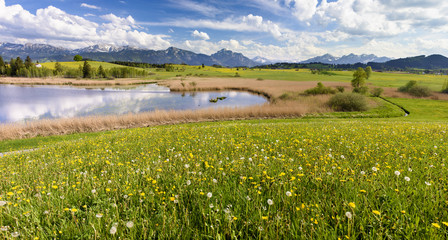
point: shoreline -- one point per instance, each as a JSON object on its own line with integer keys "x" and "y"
{"x": 271, "y": 89}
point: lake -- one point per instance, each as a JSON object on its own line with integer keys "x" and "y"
{"x": 27, "y": 103}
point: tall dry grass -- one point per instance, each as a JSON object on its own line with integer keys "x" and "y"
{"x": 103, "y": 123}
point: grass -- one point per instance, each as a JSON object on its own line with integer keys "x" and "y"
{"x": 258, "y": 179}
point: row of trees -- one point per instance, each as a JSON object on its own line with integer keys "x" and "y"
{"x": 19, "y": 68}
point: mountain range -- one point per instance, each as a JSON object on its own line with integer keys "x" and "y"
{"x": 109, "y": 53}
{"x": 347, "y": 59}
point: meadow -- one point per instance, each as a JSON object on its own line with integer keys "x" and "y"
{"x": 259, "y": 179}
{"x": 328, "y": 175}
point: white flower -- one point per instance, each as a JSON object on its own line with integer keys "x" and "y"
{"x": 215, "y": 181}
{"x": 2, "y": 203}
{"x": 4, "y": 228}
{"x": 410, "y": 169}
{"x": 342, "y": 156}
{"x": 374, "y": 169}
{"x": 428, "y": 183}
{"x": 329, "y": 173}
{"x": 186, "y": 165}
{"x": 397, "y": 173}
{"x": 113, "y": 230}
{"x": 130, "y": 224}
{"x": 15, "y": 234}
{"x": 247, "y": 198}
{"x": 209, "y": 195}
{"x": 93, "y": 191}
{"x": 349, "y": 215}
{"x": 300, "y": 168}
{"x": 99, "y": 215}
{"x": 270, "y": 202}
{"x": 407, "y": 179}
{"x": 188, "y": 182}
{"x": 288, "y": 193}
{"x": 211, "y": 205}
{"x": 46, "y": 212}
{"x": 363, "y": 173}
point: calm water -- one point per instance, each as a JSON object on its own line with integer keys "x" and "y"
{"x": 25, "y": 103}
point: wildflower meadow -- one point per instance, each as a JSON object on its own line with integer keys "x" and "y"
{"x": 307, "y": 179}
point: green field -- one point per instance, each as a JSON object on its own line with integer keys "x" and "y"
{"x": 370, "y": 175}
{"x": 381, "y": 79}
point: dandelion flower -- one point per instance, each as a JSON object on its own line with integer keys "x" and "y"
{"x": 436, "y": 225}
{"x": 349, "y": 215}
{"x": 376, "y": 212}
{"x": 209, "y": 194}
{"x": 445, "y": 223}
{"x": 352, "y": 205}
{"x": 130, "y": 224}
{"x": 407, "y": 179}
{"x": 113, "y": 230}
{"x": 264, "y": 217}
{"x": 288, "y": 193}
{"x": 397, "y": 173}
{"x": 270, "y": 202}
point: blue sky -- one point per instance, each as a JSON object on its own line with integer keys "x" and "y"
{"x": 290, "y": 30}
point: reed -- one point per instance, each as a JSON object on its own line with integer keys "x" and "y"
{"x": 103, "y": 123}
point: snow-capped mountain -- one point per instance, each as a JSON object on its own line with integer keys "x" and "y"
{"x": 347, "y": 59}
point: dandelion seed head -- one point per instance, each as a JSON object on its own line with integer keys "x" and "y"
{"x": 130, "y": 224}
{"x": 113, "y": 230}
{"x": 270, "y": 202}
{"x": 397, "y": 173}
{"x": 209, "y": 194}
{"x": 2, "y": 203}
{"x": 288, "y": 193}
{"x": 363, "y": 173}
{"x": 349, "y": 215}
{"x": 99, "y": 215}
{"x": 407, "y": 179}
{"x": 374, "y": 169}
{"x": 188, "y": 182}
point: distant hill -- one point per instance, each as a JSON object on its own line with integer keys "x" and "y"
{"x": 431, "y": 62}
{"x": 347, "y": 59}
{"x": 110, "y": 53}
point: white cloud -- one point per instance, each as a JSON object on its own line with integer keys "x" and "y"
{"x": 90, "y": 6}
{"x": 249, "y": 23}
{"x": 204, "y": 9}
{"x": 303, "y": 10}
{"x": 54, "y": 26}
{"x": 200, "y": 35}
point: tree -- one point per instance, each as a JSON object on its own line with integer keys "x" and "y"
{"x": 58, "y": 68}
{"x": 28, "y": 62}
{"x": 368, "y": 71}
{"x": 101, "y": 72}
{"x": 86, "y": 70}
{"x": 77, "y": 58}
{"x": 2, "y": 66}
{"x": 359, "y": 78}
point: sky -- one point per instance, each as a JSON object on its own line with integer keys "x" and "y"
{"x": 289, "y": 30}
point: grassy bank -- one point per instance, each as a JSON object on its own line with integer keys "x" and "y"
{"x": 260, "y": 179}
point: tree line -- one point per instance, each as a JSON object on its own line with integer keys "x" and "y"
{"x": 19, "y": 68}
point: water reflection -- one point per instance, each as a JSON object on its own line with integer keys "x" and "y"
{"x": 23, "y": 103}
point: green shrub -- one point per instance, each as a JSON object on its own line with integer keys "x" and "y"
{"x": 420, "y": 91}
{"x": 361, "y": 90}
{"x": 415, "y": 90}
{"x": 376, "y": 92}
{"x": 340, "y": 89}
{"x": 348, "y": 102}
{"x": 320, "y": 89}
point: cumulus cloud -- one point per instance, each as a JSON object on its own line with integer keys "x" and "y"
{"x": 54, "y": 26}
{"x": 85, "y": 5}
{"x": 200, "y": 35}
{"x": 304, "y": 10}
